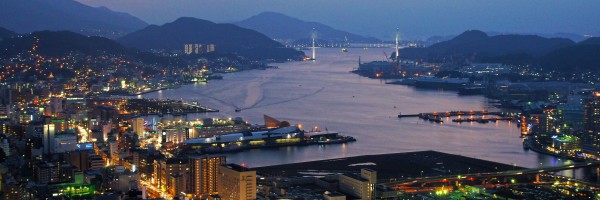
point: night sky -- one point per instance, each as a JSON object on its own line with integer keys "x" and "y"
{"x": 416, "y": 19}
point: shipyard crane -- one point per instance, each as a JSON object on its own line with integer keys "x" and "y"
{"x": 386, "y": 56}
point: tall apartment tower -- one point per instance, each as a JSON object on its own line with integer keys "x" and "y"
{"x": 203, "y": 174}
{"x": 592, "y": 121}
{"x": 138, "y": 126}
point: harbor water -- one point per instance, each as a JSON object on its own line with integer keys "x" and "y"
{"x": 325, "y": 94}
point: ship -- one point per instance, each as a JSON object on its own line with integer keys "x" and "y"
{"x": 381, "y": 69}
{"x": 345, "y": 45}
{"x": 440, "y": 83}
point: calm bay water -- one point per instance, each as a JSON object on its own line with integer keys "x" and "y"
{"x": 324, "y": 93}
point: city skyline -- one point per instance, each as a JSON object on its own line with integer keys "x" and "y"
{"x": 98, "y": 104}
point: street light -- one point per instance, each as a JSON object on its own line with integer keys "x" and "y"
{"x": 421, "y": 173}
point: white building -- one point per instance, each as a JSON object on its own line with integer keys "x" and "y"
{"x": 48, "y": 138}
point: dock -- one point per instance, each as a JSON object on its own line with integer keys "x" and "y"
{"x": 482, "y": 119}
{"x": 437, "y": 116}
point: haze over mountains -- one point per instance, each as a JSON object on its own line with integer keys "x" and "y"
{"x": 25, "y": 16}
{"x": 283, "y": 27}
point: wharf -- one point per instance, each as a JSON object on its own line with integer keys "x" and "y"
{"x": 451, "y": 113}
{"x": 437, "y": 116}
{"x": 482, "y": 119}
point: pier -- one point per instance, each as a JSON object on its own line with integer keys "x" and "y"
{"x": 482, "y": 119}
{"x": 437, "y": 116}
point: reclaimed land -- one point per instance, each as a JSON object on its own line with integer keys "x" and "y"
{"x": 391, "y": 166}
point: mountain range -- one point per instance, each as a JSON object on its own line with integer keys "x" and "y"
{"x": 479, "y": 44}
{"x": 283, "y": 27}
{"x": 25, "y": 16}
{"x": 227, "y": 38}
{"x": 476, "y": 46}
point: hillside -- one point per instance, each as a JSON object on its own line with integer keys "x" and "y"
{"x": 476, "y": 45}
{"x": 279, "y": 26}
{"x": 228, "y": 38}
{"x": 38, "y": 15}
{"x": 59, "y": 43}
{"x": 590, "y": 41}
{"x": 5, "y": 33}
{"x": 574, "y": 58}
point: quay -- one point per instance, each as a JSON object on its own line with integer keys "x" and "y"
{"x": 437, "y": 116}
{"x": 482, "y": 119}
{"x": 451, "y": 113}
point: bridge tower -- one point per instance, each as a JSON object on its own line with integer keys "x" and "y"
{"x": 314, "y": 51}
{"x": 397, "y": 60}
{"x": 397, "y": 46}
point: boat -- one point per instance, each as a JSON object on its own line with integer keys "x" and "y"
{"x": 444, "y": 83}
{"x": 343, "y": 139}
{"x": 346, "y": 44}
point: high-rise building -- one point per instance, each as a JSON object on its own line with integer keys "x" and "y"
{"x": 114, "y": 152}
{"x": 362, "y": 187}
{"x": 235, "y": 182}
{"x": 177, "y": 184}
{"x": 196, "y": 48}
{"x": 203, "y": 174}
{"x": 170, "y": 167}
{"x": 592, "y": 121}
{"x": 210, "y": 48}
{"x": 48, "y": 138}
{"x": 138, "y": 126}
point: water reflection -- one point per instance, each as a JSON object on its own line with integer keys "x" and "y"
{"x": 363, "y": 108}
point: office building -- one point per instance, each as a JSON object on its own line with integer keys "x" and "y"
{"x": 64, "y": 143}
{"x": 362, "y": 187}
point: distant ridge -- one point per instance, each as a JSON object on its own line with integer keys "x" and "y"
{"x": 280, "y": 26}
{"x": 558, "y": 54}
{"x": 25, "y": 16}
{"x": 228, "y": 38}
{"x": 5, "y": 33}
{"x": 592, "y": 40}
{"x": 476, "y": 44}
{"x": 59, "y": 43}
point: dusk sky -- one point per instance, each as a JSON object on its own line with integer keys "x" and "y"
{"x": 416, "y": 19}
